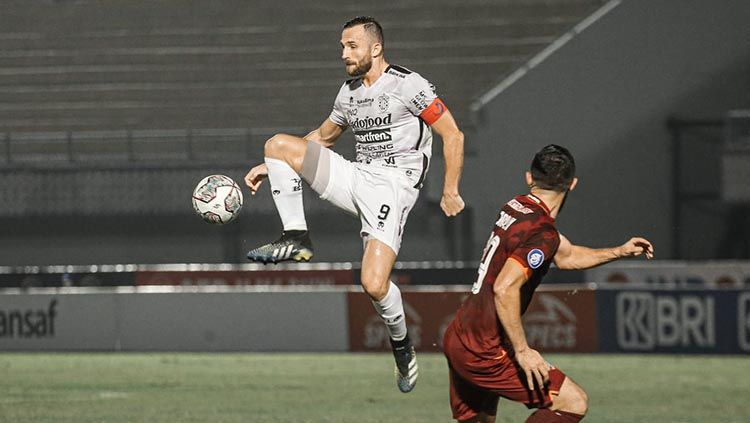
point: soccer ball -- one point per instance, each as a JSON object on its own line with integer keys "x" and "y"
{"x": 217, "y": 199}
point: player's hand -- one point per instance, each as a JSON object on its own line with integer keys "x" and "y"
{"x": 637, "y": 246}
{"x": 534, "y": 366}
{"x": 254, "y": 178}
{"x": 452, "y": 204}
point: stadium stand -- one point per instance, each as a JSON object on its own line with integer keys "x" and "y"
{"x": 88, "y": 65}
{"x": 118, "y": 109}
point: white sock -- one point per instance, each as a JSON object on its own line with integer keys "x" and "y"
{"x": 286, "y": 190}
{"x": 391, "y": 310}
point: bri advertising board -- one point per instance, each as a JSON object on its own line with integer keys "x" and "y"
{"x": 674, "y": 321}
{"x": 673, "y": 274}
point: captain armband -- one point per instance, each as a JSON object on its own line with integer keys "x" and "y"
{"x": 433, "y": 112}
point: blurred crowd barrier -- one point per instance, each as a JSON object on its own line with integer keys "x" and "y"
{"x": 636, "y": 306}
{"x": 630, "y": 274}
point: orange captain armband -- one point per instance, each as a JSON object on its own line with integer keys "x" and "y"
{"x": 433, "y": 112}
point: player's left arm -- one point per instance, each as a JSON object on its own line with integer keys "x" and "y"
{"x": 570, "y": 256}
{"x": 442, "y": 122}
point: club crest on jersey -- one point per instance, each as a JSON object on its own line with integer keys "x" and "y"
{"x": 383, "y": 102}
{"x": 535, "y": 258}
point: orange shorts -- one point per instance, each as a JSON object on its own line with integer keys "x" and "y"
{"x": 477, "y": 383}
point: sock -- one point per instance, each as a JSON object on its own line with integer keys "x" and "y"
{"x": 286, "y": 190}
{"x": 545, "y": 415}
{"x": 391, "y": 310}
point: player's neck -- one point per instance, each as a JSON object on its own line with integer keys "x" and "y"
{"x": 552, "y": 199}
{"x": 376, "y": 71}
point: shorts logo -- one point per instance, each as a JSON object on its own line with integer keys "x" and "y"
{"x": 535, "y": 258}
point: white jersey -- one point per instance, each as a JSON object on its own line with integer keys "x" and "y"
{"x": 386, "y": 122}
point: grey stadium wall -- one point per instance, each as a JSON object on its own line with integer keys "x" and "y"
{"x": 265, "y": 318}
{"x": 606, "y": 94}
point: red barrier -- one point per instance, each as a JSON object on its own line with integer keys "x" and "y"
{"x": 261, "y": 277}
{"x": 562, "y": 321}
{"x": 556, "y": 321}
{"x": 427, "y": 316}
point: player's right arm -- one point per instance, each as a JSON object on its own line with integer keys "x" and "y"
{"x": 507, "y": 290}
{"x": 326, "y": 134}
{"x": 576, "y": 257}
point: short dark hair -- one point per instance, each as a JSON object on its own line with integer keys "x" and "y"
{"x": 553, "y": 168}
{"x": 371, "y": 25}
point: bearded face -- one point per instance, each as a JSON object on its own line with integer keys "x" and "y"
{"x": 360, "y": 67}
{"x": 356, "y": 50}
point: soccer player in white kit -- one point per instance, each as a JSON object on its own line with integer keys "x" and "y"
{"x": 392, "y": 112}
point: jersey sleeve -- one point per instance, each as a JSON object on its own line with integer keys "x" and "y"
{"x": 338, "y": 114}
{"x": 420, "y": 98}
{"x": 540, "y": 246}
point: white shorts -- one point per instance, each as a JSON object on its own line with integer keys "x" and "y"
{"x": 381, "y": 197}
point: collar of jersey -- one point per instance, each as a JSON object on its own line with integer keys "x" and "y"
{"x": 539, "y": 201}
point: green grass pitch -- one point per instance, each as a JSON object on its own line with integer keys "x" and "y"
{"x": 215, "y": 388}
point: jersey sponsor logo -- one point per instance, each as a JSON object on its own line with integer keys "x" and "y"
{"x": 505, "y": 221}
{"x": 369, "y": 122}
{"x": 364, "y": 102}
{"x": 535, "y": 258}
{"x": 646, "y": 321}
{"x": 420, "y": 101}
{"x": 369, "y": 152}
{"x": 375, "y": 135}
{"x": 352, "y": 110}
{"x": 399, "y": 71}
{"x": 515, "y": 205}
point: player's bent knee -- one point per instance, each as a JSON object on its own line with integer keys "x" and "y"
{"x": 572, "y": 398}
{"x": 376, "y": 286}
{"x": 580, "y": 404}
{"x": 375, "y": 291}
{"x": 284, "y": 147}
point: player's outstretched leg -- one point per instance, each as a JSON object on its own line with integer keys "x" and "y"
{"x": 377, "y": 264}
{"x": 284, "y": 155}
